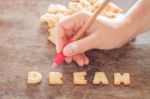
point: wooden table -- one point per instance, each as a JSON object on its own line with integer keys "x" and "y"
{"x": 24, "y": 47}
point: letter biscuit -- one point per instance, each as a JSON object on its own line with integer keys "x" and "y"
{"x": 34, "y": 77}
{"x": 55, "y": 78}
{"x": 79, "y": 77}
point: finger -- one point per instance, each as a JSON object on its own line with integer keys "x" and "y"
{"x": 86, "y": 59}
{"x": 80, "y": 46}
{"x": 79, "y": 59}
{"x": 68, "y": 59}
{"x": 60, "y": 38}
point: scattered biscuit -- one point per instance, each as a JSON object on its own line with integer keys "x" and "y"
{"x": 51, "y": 39}
{"x": 124, "y": 78}
{"x": 92, "y": 2}
{"x": 100, "y": 77}
{"x": 34, "y": 77}
{"x": 56, "y": 8}
{"x": 75, "y": 0}
{"x": 55, "y": 78}
{"x": 85, "y": 3}
{"x": 47, "y": 17}
{"x": 74, "y": 6}
{"x": 52, "y": 32}
{"x": 51, "y": 19}
{"x": 79, "y": 78}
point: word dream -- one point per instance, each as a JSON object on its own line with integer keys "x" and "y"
{"x": 79, "y": 78}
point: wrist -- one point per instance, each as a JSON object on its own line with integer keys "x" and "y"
{"x": 136, "y": 20}
{"x": 128, "y": 28}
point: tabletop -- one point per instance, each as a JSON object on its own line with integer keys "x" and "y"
{"x": 24, "y": 47}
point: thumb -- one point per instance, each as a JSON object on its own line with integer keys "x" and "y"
{"x": 79, "y": 46}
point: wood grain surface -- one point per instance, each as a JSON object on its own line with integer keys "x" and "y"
{"x": 24, "y": 47}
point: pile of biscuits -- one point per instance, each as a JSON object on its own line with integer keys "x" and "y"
{"x": 57, "y": 12}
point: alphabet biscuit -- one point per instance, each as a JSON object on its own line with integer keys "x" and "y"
{"x": 79, "y": 77}
{"x": 34, "y": 77}
{"x": 124, "y": 78}
{"x": 100, "y": 77}
{"x": 55, "y": 78}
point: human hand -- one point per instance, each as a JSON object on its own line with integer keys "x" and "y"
{"x": 103, "y": 34}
